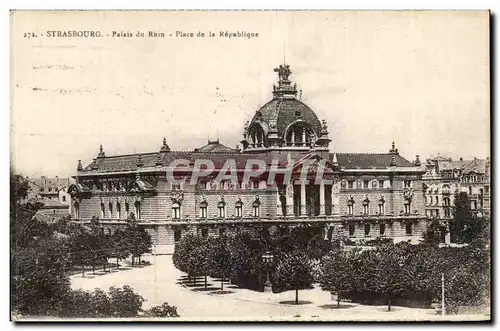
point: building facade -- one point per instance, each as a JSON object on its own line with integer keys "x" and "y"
{"x": 445, "y": 177}
{"x": 355, "y": 195}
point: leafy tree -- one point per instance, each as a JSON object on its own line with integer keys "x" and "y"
{"x": 120, "y": 247}
{"x": 387, "y": 263}
{"x": 198, "y": 262}
{"x": 38, "y": 282}
{"x": 293, "y": 271}
{"x": 182, "y": 251}
{"x": 433, "y": 233}
{"x": 220, "y": 259}
{"x": 462, "y": 216}
{"x": 124, "y": 302}
{"x": 340, "y": 270}
{"x": 165, "y": 310}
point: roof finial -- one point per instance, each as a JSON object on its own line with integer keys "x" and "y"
{"x": 164, "y": 147}
{"x": 334, "y": 160}
{"x": 79, "y": 167}
{"x": 139, "y": 160}
{"x": 393, "y": 150}
{"x": 101, "y": 152}
{"x": 417, "y": 160}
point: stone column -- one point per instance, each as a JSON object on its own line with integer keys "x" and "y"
{"x": 289, "y": 199}
{"x": 279, "y": 210}
{"x": 322, "y": 198}
{"x": 303, "y": 198}
{"x": 293, "y": 137}
{"x": 335, "y": 199}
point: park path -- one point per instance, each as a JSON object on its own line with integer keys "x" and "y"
{"x": 159, "y": 283}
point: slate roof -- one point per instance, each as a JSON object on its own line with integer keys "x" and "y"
{"x": 215, "y": 147}
{"x": 285, "y": 114}
{"x": 477, "y": 166}
{"x": 346, "y": 160}
{"x": 369, "y": 160}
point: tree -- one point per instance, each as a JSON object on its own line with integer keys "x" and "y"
{"x": 220, "y": 259}
{"x": 388, "y": 263}
{"x": 120, "y": 247}
{"x": 165, "y": 310}
{"x": 198, "y": 262}
{"x": 340, "y": 271}
{"x": 462, "y": 216}
{"x": 124, "y": 302}
{"x": 433, "y": 233}
{"x": 293, "y": 271}
{"x": 182, "y": 251}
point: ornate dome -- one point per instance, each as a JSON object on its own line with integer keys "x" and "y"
{"x": 285, "y": 122}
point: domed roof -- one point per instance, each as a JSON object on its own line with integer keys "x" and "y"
{"x": 285, "y": 111}
{"x": 285, "y": 122}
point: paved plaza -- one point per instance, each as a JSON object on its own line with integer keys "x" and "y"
{"x": 160, "y": 282}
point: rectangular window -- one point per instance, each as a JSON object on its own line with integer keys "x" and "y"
{"x": 221, "y": 185}
{"x": 382, "y": 228}
{"x": 381, "y": 208}
{"x": 176, "y": 211}
{"x": 367, "y": 229}
{"x": 350, "y": 184}
{"x": 409, "y": 229}
{"x": 177, "y": 235}
{"x": 239, "y": 211}
{"x": 204, "y": 233}
{"x": 256, "y": 211}
{"x": 381, "y": 184}
{"x": 437, "y": 200}
{"x": 430, "y": 198}
{"x": 64, "y": 198}
{"x": 407, "y": 208}
{"x": 407, "y": 183}
{"x": 255, "y": 184}
{"x": 203, "y": 185}
{"x": 351, "y": 229}
{"x": 366, "y": 184}
{"x": 176, "y": 187}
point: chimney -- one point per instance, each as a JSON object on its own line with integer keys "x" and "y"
{"x": 461, "y": 158}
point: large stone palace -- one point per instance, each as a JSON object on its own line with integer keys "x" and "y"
{"x": 358, "y": 195}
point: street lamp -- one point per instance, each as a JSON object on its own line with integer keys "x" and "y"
{"x": 267, "y": 259}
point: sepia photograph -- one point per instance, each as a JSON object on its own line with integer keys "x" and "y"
{"x": 250, "y": 166}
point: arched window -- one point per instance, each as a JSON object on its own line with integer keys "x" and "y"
{"x": 127, "y": 209}
{"x": 118, "y": 210}
{"x": 239, "y": 208}
{"x": 102, "y": 210}
{"x": 76, "y": 207}
{"x": 176, "y": 211}
{"x": 110, "y": 207}
{"x": 138, "y": 210}
{"x": 366, "y": 206}
{"x": 203, "y": 209}
{"x": 350, "y": 206}
{"x": 221, "y": 206}
{"x": 299, "y": 134}
{"x": 256, "y": 208}
{"x": 381, "y": 206}
{"x": 256, "y": 136}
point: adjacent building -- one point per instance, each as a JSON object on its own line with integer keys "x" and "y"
{"x": 445, "y": 177}
{"x": 358, "y": 195}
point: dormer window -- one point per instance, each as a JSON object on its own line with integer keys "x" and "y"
{"x": 299, "y": 134}
{"x": 298, "y": 113}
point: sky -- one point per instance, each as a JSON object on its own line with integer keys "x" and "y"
{"x": 418, "y": 78}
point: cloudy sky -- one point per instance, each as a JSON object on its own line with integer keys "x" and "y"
{"x": 419, "y": 78}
